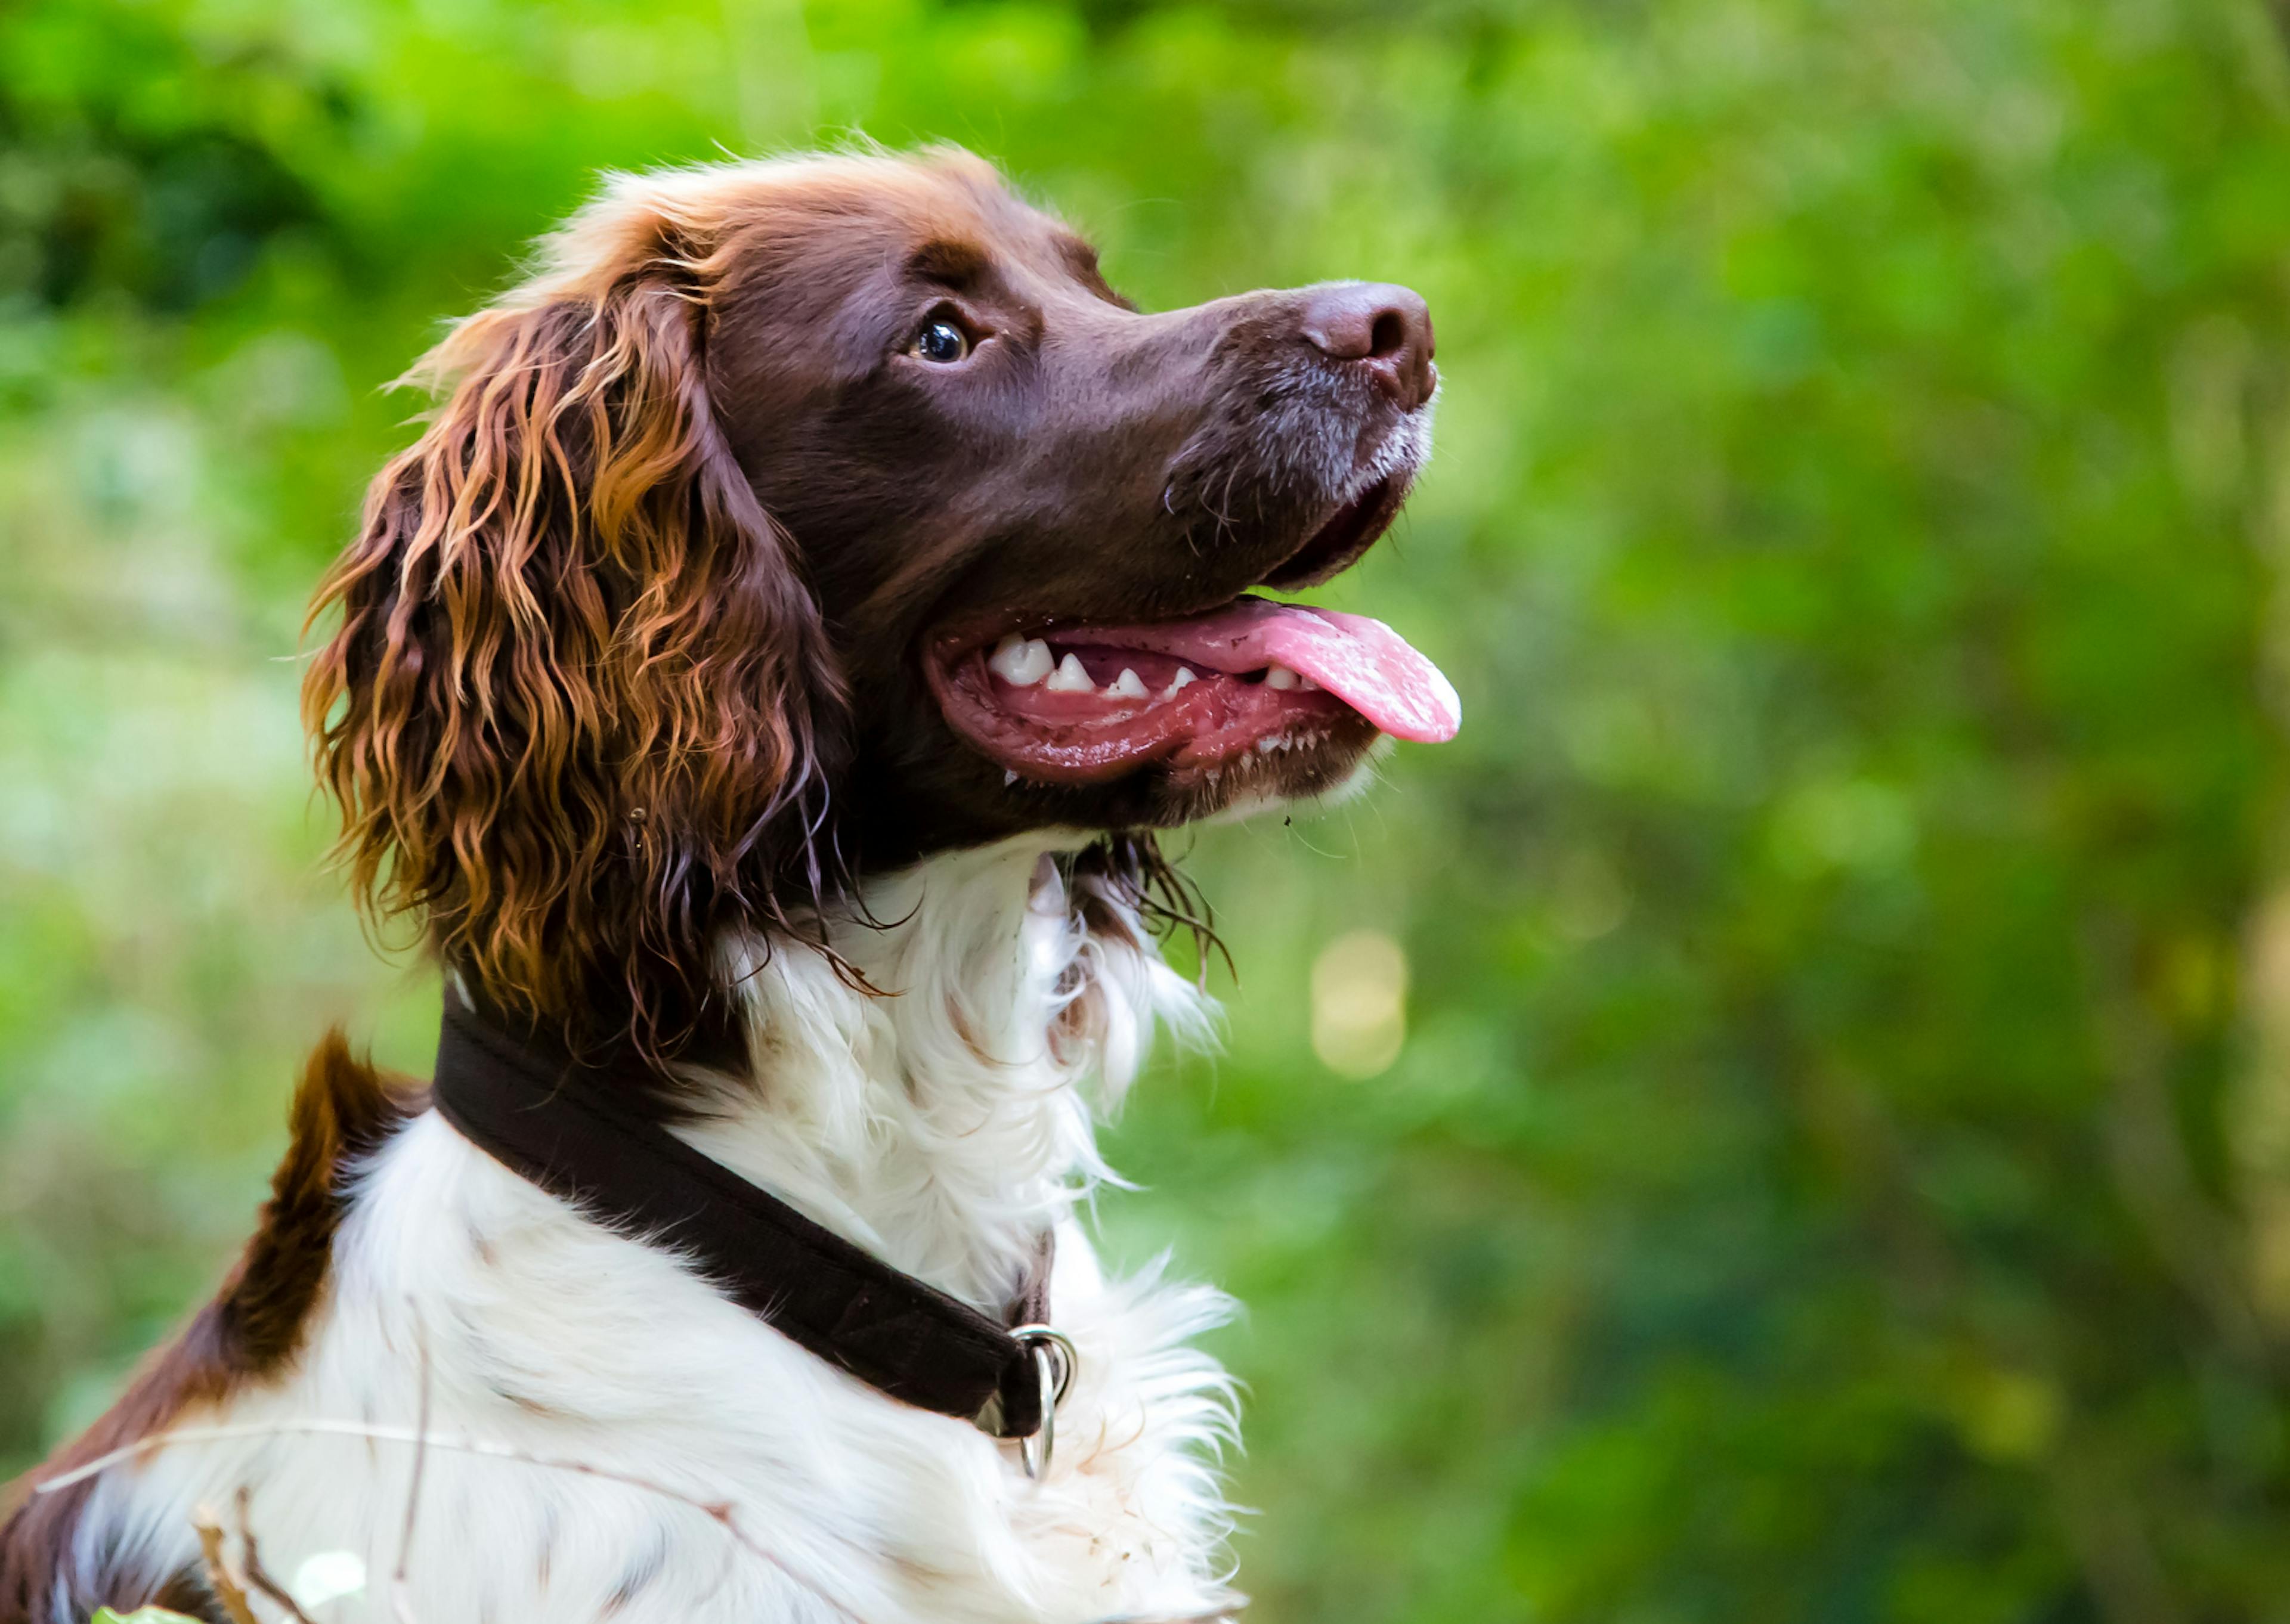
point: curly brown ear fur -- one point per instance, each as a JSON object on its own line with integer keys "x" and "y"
{"x": 579, "y": 708}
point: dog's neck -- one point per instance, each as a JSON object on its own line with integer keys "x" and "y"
{"x": 944, "y": 1120}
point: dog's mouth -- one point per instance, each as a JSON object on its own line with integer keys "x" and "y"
{"x": 1080, "y": 702}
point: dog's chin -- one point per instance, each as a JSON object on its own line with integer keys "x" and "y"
{"x": 1319, "y": 779}
{"x": 1318, "y": 773}
{"x": 1324, "y": 767}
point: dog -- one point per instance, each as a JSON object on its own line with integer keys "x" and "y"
{"x": 763, "y": 681}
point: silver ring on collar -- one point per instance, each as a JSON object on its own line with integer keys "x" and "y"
{"x": 1055, "y": 1364}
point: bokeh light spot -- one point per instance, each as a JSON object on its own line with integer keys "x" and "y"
{"x": 1359, "y": 1003}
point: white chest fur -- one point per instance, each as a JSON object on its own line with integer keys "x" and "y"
{"x": 942, "y": 1126}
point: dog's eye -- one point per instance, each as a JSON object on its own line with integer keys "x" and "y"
{"x": 941, "y": 341}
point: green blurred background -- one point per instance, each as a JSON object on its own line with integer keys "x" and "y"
{"x": 1832, "y": 1161}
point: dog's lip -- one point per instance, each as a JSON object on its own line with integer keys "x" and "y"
{"x": 1343, "y": 538}
{"x": 1354, "y": 524}
{"x": 1213, "y": 720}
{"x": 1195, "y": 691}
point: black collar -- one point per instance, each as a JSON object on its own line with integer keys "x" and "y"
{"x": 573, "y": 1130}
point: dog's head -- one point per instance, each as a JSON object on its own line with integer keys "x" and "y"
{"x": 800, "y": 519}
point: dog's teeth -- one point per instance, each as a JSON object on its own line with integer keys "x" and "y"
{"x": 1020, "y": 661}
{"x": 1069, "y": 677}
{"x": 1184, "y": 675}
{"x": 1009, "y": 777}
{"x": 1305, "y": 684}
{"x": 1128, "y": 685}
{"x": 1280, "y": 677}
{"x": 1265, "y": 747}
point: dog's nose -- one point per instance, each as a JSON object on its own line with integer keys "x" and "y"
{"x": 1381, "y": 326}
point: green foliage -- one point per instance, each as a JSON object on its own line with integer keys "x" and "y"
{"x": 1836, "y": 1168}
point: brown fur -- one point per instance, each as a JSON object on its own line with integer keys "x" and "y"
{"x": 577, "y": 678}
{"x": 629, "y": 646}
{"x": 250, "y": 1332}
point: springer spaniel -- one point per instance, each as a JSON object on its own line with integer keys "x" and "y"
{"x": 761, "y": 680}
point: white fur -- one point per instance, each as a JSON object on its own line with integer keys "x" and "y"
{"x": 941, "y": 1126}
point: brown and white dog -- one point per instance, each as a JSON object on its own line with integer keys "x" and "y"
{"x": 771, "y": 663}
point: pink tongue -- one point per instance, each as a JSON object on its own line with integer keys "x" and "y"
{"x": 1363, "y": 663}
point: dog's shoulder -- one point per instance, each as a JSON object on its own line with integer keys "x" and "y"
{"x": 344, "y": 1110}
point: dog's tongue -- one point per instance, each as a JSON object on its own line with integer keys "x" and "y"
{"x": 1363, "y": 663}
{"x": 1366, "y": 664}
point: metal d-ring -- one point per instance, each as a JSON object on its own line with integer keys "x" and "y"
{"x": 1055, "y": 1364}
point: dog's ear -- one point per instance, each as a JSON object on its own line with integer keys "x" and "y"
{"x": 578, "y": 707}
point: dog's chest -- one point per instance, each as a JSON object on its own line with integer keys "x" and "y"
{"x": 610, "y": 1436}
{"x": 651, "y": 1451}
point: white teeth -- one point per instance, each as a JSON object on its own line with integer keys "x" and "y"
{"x": 1305, "y": 684}
{"x": 1128, "y": 685}
{"x": 1068, "y": 678}
{"x": 1020, "y": 661}
{"x": 1184, "y": 675}
{"x": 1280, "y": 677}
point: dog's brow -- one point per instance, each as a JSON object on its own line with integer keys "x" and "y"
{"x": 951, "y": 260}
{"x": 1081, "y": 258}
